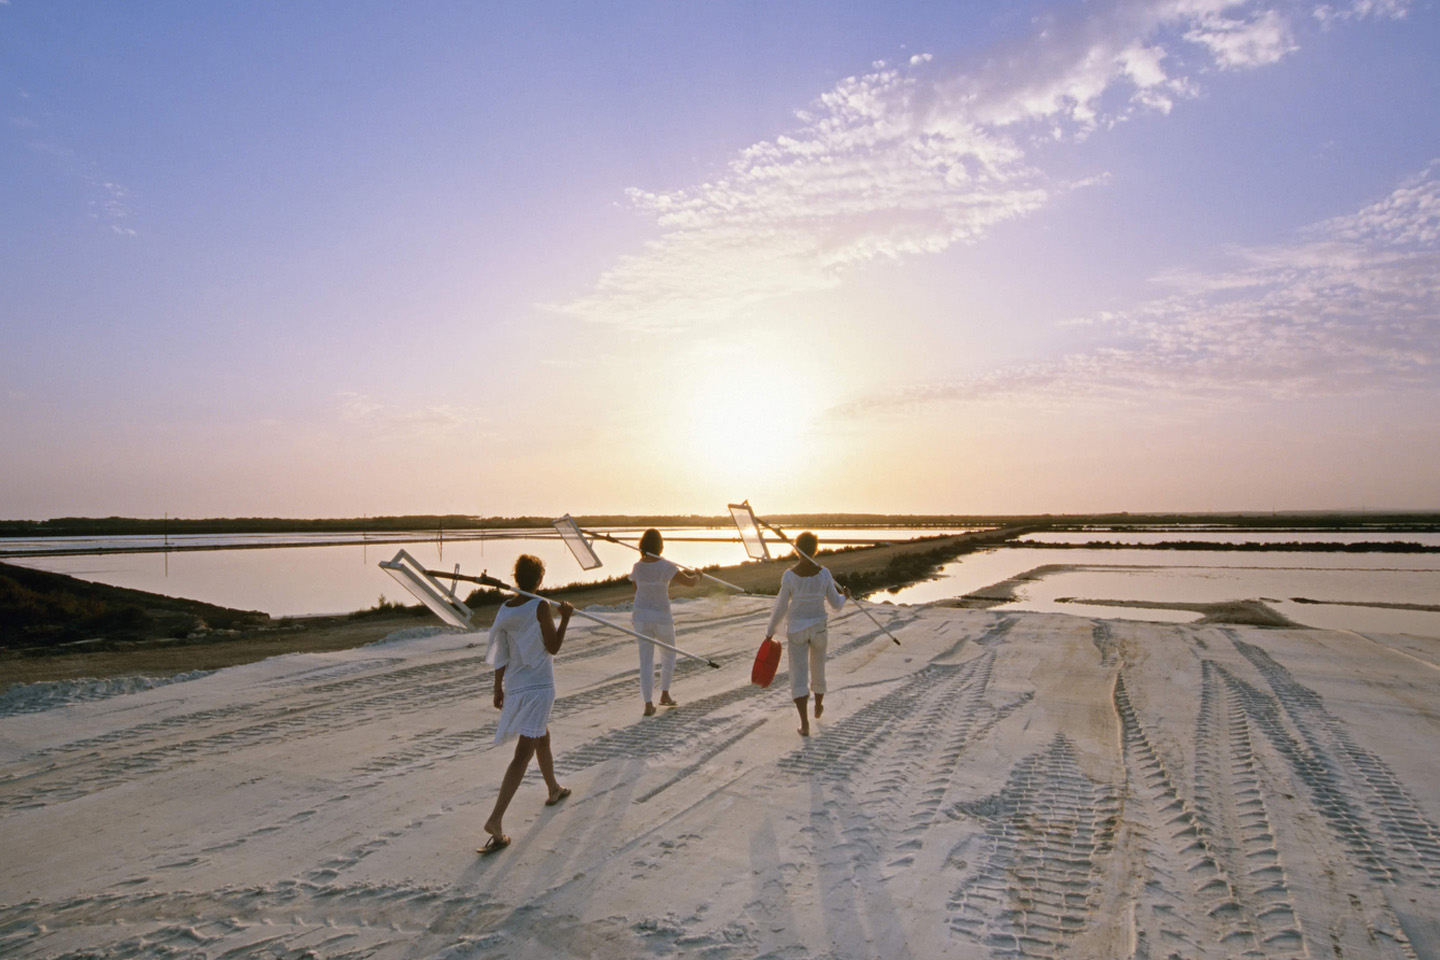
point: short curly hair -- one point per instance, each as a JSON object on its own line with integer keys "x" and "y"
{"x": 651, "y": 541}
{"x": 529, "y": 571}
{"x": 807, "y": 543}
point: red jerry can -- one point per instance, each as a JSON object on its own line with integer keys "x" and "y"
{"x": 767, "y": 661}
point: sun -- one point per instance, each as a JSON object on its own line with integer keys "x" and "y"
{"x": 748, "y": 428}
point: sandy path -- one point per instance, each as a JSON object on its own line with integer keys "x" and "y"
{"x": 1002, "y": 785}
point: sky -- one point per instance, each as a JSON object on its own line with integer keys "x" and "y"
{"x": 366, "y": 258}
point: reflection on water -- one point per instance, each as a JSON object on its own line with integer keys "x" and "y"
{"x": 293, "y": 581}
{"x": 1171, "y": 535}
{"x": 296, "y": 581}
{"x": 1345, "y": 580}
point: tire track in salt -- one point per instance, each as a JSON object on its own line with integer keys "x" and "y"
{"x": 1230, "y": 799}
{"x": 1032, "y": 881}
{"x": 1339, "y": 813}
{"x": 1406, "y": 841}
{"x": 288, "y": 918}
{"x": 329, "y": 708}
{"x": 1184, "y": 872}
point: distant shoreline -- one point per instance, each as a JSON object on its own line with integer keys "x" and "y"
{"x": 142, "y": 633}
{"x": 1419, "y": 520}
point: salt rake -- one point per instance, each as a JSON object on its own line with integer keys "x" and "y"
{"x": 588, "y": 559}
{"x": 750, "y": 534}
{"x": 426, "y": 587}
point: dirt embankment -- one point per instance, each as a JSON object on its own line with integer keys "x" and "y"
{"x": 67, "y": 635}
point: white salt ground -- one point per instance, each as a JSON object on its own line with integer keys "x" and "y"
{"x": 1030, "y": 785}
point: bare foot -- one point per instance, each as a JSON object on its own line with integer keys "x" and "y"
{"x": 804, "y": 731}
{"x": 819, "y": 709}
{"x": 666, "y": 700}
{"x": 557, "y": 796}
{"x": 649, "y": 709}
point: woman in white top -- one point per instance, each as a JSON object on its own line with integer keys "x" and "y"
{"x": 523, "y": 641}
{"x": 651, "y": 616}
{"x": 805, "y": 589}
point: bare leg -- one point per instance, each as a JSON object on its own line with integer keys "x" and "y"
{"x": 819, "y": 705}
{"x": 514, "y": 773}
{"x": 547, "y": 765}
{"x": 800, "y": 704}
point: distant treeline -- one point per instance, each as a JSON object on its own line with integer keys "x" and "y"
{"x": 1365, "y": 546}
{"x": 791, "y": 522}
{"x": 131, "y": 526}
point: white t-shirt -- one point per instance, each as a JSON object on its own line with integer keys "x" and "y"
{"x": 652, "y": 589}
{"x": 804, "y": 598}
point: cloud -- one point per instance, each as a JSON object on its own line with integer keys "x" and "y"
{"x": 360, "y": 410}
{"x": 912, "y": 159}
{"x": 1361, "y": 10}
{"x": 1241, "y": 44}
{"x": 1351, "y": 308}
{"x": 109, "y": 202}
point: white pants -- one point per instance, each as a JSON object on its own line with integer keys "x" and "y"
{"x": 807, "y": 660}
{"x": 664, "y": 632}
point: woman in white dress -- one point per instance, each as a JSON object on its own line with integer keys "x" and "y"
{"x": 805, "y": 589}
{"x": 523, "y": 642}
{"x": 651, "y": 616}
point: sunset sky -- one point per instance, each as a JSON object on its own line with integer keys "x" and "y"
{"x": 344, "y": 258}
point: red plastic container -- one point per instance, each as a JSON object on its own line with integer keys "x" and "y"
{"x": 767, "y": 661}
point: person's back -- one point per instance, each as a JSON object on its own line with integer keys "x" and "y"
{"x": 802, "y": 600}
{"x": 518, "y": 646}
{"x": 805, "y": 590}
{"x": 652, "y": 589}
{"x": 651, "y": 616}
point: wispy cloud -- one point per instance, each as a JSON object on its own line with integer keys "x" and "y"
{"x": 360, "y": 410}
{"x": 109, "y": 201}
{"x": 914, "y": 158}
{"x": 1352, "y": 307}
{"x": 1241, "y": 43}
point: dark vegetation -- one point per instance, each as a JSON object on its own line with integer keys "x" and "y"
{"x": 41, "y": 609}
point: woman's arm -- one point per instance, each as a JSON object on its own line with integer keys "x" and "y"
{"x": 834, "y": 593}
{"x": 687, "y": 579}
{"x": 499, "y": 688}
{"x": 551, "y": 635}
{"x": 782, "y": 603}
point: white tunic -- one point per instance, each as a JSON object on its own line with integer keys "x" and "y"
{"x": 652, "y": 590}
{"x": 517, "y": 645}
{"x": 804, "y": 599}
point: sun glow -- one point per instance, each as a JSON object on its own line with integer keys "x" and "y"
{"x": 748, "y": 429}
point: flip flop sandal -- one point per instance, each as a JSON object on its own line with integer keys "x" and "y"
{"x": 494, "y": 844}
{"x": 560, "y": 795}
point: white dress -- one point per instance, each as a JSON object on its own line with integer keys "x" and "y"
{"x": 517, "y": 645}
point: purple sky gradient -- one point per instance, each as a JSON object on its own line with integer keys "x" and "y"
{"x": 377, "y": 258}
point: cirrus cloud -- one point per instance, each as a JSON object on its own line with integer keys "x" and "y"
{"x": 1351, "y": 308}
{"x": 912, "y": 159}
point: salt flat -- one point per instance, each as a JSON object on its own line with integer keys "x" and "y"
{"x": 1001, "y": 785}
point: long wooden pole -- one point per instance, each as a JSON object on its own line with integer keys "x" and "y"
{"x": 502, "y": 585}
{"x": 863, "y": 609}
